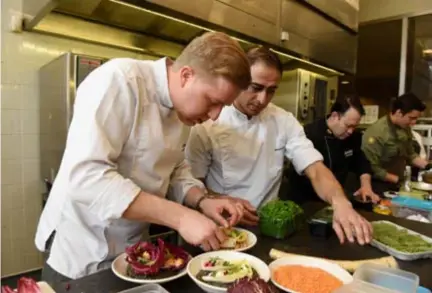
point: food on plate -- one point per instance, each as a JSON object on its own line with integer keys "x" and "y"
{"x": 400, "y": 239}
{"x": 255, "y": 284}
{"x": 235, "y": 238}
{"x": 146, "y": 260}
{"x": 222, "y": 273}
{"x": 25, "y": 285}
{"x": 349, "y": 265}
{"x": 306, "y": 279}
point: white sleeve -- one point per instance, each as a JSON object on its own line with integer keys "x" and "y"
{"x": 299, "y": 149}
{"x": 198, "y": 151}
{"x": 104, "y": 113}
{"x": 181, "y": 181}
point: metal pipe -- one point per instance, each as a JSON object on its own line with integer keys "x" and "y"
{"x": 403, "y": 56}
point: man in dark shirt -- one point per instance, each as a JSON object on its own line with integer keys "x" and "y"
{"x": 337, "y": 140}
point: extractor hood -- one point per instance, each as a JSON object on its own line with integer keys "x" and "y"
{"x": 298, "y": 33}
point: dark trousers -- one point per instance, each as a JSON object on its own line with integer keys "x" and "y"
{"x": 49, "y": 275}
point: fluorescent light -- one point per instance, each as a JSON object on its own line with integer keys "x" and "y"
{"x": 210, "y": 30}
{"x": 427, "y": 51}
{"x": 345, "y": 82}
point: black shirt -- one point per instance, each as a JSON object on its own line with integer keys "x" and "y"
{"x": 340, "y": 156}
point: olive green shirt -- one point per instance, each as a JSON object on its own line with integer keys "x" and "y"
{"x": 383, "y": 142}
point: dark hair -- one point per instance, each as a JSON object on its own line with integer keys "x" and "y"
{"x": 406, "y": 103}
{"x": 344, "y": 103}
{"x": 261, "y": 54}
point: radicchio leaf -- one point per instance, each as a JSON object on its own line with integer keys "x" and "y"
{"x": 176, "y": 258}
{"x": 28, "y": 285}
{"x": 247, "y": 285}
{"x": 146, "y": 258}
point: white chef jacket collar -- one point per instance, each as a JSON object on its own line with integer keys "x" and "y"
{"x": 161, "y": 74}
{"x": 240, "y": 115}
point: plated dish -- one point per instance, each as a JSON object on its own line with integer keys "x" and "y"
{"x": 238, "y": 239}
{"x": 218, "y": 271}
{"x": 302, "y": 274}
{"x": 146, "y": 262}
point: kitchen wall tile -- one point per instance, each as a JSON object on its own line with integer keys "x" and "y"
{"x": 18, "y": 225}
{"x": 10, "y": 96}
{"x": 12, "y": 197}
{"x": 10, "y": 121}
{"x": 11, "y": 146}
{"x": 11, "y": 171}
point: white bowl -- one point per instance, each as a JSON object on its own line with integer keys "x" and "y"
{"x": 307, "y": 261}
{"x": 194, "y": 266}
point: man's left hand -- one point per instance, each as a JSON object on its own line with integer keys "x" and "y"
{"x": 217, "y": 208}
{"x": 347, "y": 223}
{"x": 367, "y": 193}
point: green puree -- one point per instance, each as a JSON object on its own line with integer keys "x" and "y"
{"x": 400, "y": 239}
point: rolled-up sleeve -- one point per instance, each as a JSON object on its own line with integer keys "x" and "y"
{"x": 299, "y": 149}
{"x": 198, "y": 151}
{"x": 104, "y": 113}
{"x": 181, "y": 181}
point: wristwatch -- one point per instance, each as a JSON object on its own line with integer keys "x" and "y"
{"x": 206, "y": 195}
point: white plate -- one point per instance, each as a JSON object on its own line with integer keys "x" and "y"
{"x": 194, "y": 266}
{"x": 119, "y": 266}
{"x": 307, "y": 261}
{"x": 251, "y": 240}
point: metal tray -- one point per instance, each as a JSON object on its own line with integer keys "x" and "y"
{"x": 399, "y": 254}
{"x": 148, "y": 288}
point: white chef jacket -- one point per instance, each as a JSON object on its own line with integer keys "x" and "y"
{"x": 124, "y": 137}
{"x": 244, "y": 157}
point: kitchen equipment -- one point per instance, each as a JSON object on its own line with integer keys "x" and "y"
{"x": 403, "y": 207}
{"x": 320, "y": 224}
{"x": 421, "y": 186}
{"x": 389, "y": 278}
{"x": 399, "y": 254}
{"x": 148, "y": 288}
{"x": 58, "y": 83}
{"x": 305, "y": 94}
{"x": 308, "y": 261}
{"x": 194, "y": 266}
{"x": 348, "y": 265}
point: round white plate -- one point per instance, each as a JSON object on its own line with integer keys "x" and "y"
{"x": 119, "y": 266}
{"x": 251, "y": 240}
{"x": 194, "y": 266}
{"x": 307, "y": 261}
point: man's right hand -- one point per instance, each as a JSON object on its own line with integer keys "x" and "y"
{"x": 250, "y": 216}
{"x": 197, "y": 230}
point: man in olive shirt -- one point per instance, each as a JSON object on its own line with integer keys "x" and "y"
{"x": 388, "y": 143}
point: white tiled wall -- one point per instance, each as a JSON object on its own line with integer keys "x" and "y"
{"x": 21, "y": 188}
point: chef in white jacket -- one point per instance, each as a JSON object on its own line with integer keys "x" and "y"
{"x": 125, "y": 151}
{"x": 242, "y": 153}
